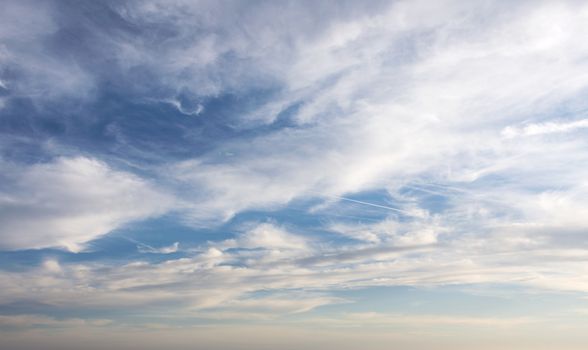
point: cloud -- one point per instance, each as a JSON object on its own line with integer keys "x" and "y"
{"x": 545, "y": 128}
{"x": 28, "y": 321}
{"x": 144, "y": 248}
{"x": 398, "y": 102}
{"x": 271, "y": 306}
{"x": 227, "y": 275}
{"x": 386, "y": 320}
{"x": 70, "y": 201}
{"x": 180, "y": 107}
{"x": 268, "y": 236}
{"x": 31, "y": 69}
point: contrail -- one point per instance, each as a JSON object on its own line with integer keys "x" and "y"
{"x": 368, "y": 203}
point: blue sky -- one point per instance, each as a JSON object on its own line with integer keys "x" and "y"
{"x": 294, "y": 174}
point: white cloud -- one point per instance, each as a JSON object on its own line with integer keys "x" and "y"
{"x": 545, "y": 128}
{"x": 182, "y": 109}
{"x": 70, "y": 201}
{"x": 269, "y": 236}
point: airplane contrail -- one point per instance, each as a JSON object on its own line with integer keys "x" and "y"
{"x": 367, "y": 203}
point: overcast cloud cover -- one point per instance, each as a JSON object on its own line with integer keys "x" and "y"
{"x": 293, "y": 174}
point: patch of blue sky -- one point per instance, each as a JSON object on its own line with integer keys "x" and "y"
{"x": 23, "y": 133}
{"x": 286, "y": 117}
{"x": 22, "y": 260}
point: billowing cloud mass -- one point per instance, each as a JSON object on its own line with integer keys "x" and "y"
{"x": 339, "y": 170}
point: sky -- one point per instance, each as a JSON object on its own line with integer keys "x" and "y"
{"x": 222, "y": 175}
